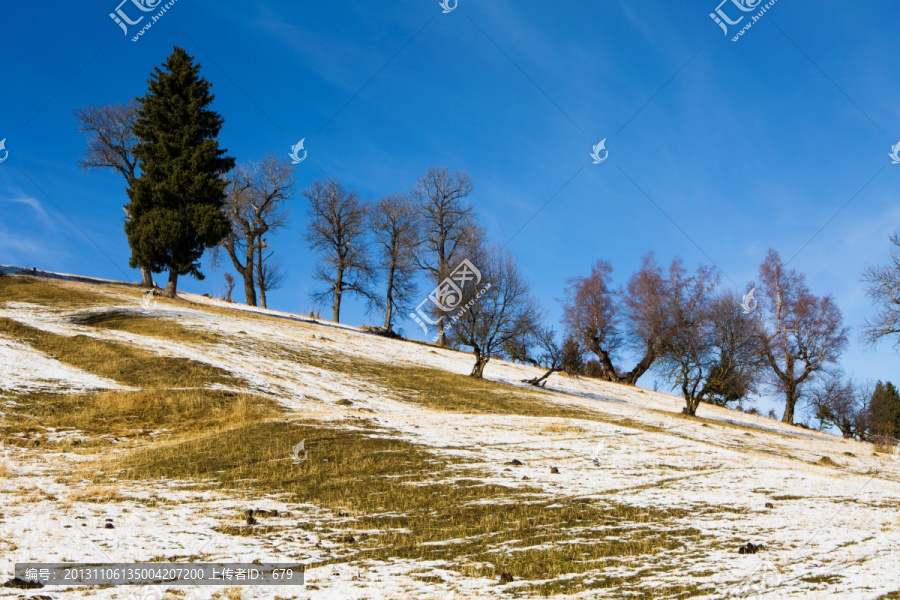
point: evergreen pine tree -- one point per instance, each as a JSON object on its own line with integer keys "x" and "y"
{"x": 884, "y": 410}
{"x": 177, "y": 202}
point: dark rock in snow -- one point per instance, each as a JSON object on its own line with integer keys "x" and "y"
{"x": 23, "y": 584}
{"x": 506, "y": 578}
{"x": 750, "y": 548}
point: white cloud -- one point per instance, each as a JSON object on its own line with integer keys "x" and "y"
{"x": 30, "y": 202}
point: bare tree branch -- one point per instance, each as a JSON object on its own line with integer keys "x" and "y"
{"x": 337, "y": 227}
{"x": 256, "y": 206}
{"x": 395, "y": 224}
{"x": 110, "y": 145}
{"x": 502, "y": 310}
{"x": 801, "y": 334}
{"x": 448, "y": 223}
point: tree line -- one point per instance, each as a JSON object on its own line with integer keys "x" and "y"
{"x": 186, "y": 196}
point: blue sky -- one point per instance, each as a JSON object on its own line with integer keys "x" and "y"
{"x": 718, "y": 149}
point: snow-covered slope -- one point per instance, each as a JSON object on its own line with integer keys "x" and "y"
{"x": 830, "y": 530}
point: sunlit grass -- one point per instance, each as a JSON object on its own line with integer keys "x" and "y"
{"x": 404, "y": 501}
{"x": 124, "y": 363}
{"x": 53, "y": 293}
{"x": 99, "y": 419}
{"x": 148, "y": 325}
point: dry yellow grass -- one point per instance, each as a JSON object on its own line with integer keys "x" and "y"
{"x": 142, "y": 417}
{"x": 148, "y": 325}
{"x": 561, "y": 428}
{"x": 123, "y": 363}
{"x": 231, "y": 593}
{"x": 96, "y": 493}
{"x": 390, "y": 498}
{"x": 55, "y": 293}
{"x": 404, "y": 501}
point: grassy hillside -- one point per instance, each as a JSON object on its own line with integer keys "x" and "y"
{"x": 415, "y": 477}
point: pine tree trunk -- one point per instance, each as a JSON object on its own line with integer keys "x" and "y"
{"x": 262, "y": 297}
{"x": 146, "y": 278}
{"x": 172, "y": 286}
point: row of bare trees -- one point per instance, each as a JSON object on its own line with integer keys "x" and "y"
{"x": 393, "y": 240}
{"x": 425, "y": 234}
{"x": 702, "y": 338}
{"x": 680, "y": 324}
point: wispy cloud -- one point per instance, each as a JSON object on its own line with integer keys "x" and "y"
{"x": 32, "y": 203}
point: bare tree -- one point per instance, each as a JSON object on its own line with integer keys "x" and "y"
{"x": 501, "y": 310}
{"x": 256, "y": 206}
{"x": 395, "y": 225}
{"x": 801, "y": 333}
{"x": 844, "y": 404}
{"x": 270, "y": 272}
{"x": 110, "y": 145}
{"x": 229, "y": 286}
{"x": 739, "y": 360}
{"x": 448, "y": 224}
{"x": 883, "y": 287}
{"x": 337, "y": 227}
{"x": 608, "y": 320}
{"x": 646, "y": 311}
{"x": 712, "y": 349}
{"x": 592, "y": 314}
{"x": 553, "y": 356}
